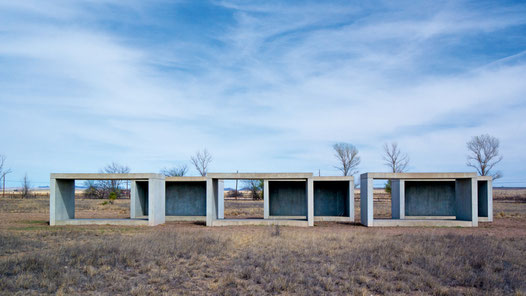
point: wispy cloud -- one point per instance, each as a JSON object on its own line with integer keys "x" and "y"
{"x": 263, "y": 85}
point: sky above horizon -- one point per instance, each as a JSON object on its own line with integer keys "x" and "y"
{"x": 265, "y": 86}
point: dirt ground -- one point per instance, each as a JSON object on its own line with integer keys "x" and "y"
{"x": 189, "y": 258}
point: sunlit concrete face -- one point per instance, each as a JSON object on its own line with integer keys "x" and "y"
{"x": 424, "y": 199}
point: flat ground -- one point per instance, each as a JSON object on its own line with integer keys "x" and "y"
{"x": 188, "y": 258}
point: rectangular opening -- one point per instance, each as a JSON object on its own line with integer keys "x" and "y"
{"x": 288, "y": 199}
{"x": 186, "y": 198}
{"x": 483, "y": 199}
{"x": 247, "y": 202}
{"x": 430, "y": 199}
{"x": 382, "y": 199}
{"x": 331, "y": 198}
{"x": 102, "y": 199}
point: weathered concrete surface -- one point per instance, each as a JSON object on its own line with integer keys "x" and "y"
{"x": 287, "y": 198}
{"x": 103, "y": 176}
{"x": 421, "y": 223}
{"x": 465, "y": 206}
{"x": 429, "y": 198}
{"x": 260, "y": 222}
{"x": 398, "y": 199}
{"x": 211, "y": 201}
{"x": 467, "y": 200}
{"x": 485, "y": 199}
{"x": 61, "y": 200}
{"x": 185, "y": 218}
{"x": 366, "y": 200}
{"x": 186, "y": 198}
{"x": 220, "y": 199}
{"x": 138, "y": 199}
{"x": 310, "y": 201}
{"x": 121, "y": 222}
{"x": 258, "y": 176}
{"x": 406, "y": 176}
{"x": 156, "y": 201}
{"x": 331, "y": 198}
{"x": 266, "y": 205}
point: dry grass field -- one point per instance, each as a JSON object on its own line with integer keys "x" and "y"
{"x": 190, "y": 259}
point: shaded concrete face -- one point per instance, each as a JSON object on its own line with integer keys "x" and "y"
{"x": 467, "y": 200}
{"x": 139, "y": 196}
{"x": 331, "y": 198}
{"x": 426, "y": 198}
{"x": 287, "y": 198}
{"x": 62, "y": 200}
{"x": 186, "y": 198}
{"x": 484, "y": 199}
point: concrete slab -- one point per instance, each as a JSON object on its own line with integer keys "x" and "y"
{"x": 102, "y": 176}
{"x": 421, "y": 223}
{"x": 260, "y": 222}
{"x": 121, "y": 222}
{"x": 387, "y": 176}
{"x": 258, "y": 176}
{"x": 186, "y": 218}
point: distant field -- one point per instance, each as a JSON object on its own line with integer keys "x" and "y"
{"x": 189, "y": 258}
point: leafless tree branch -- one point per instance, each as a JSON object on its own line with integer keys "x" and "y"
{"x": 178, "y": 171}
{"x": 201, "y": 161}
{"x": 347, "y": 155}
{"x": 484, "y": 155}
{"x": 394, "y": 158}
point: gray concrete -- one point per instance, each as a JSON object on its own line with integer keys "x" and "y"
{"x": 266, "y": 206}
{"x": 398, "y": 199}
{"x": 310, "y": 201}
{"x": 148, "y": 195}
{"x": 366, "y": 200}
{"x": 211, "y": 201}
{"x": 221, "y": 199}
{"x": 467, "y": 200}
{"x": 156, "y": 201}
{"x": 138, "y": 199}
{"x": 61, "y": 200}
{"x": 331, "y": 198}
{"x": 485, "y": 199}
{"x": 260, "y": 222}
{"x": 258, "y": 176}
{"x": 287, "y": 198}
{"x": 429, "y": 198}
{"x": 119, "y": 222}
{"x": 186, "y": 198}
{"x": 423, "y": 199}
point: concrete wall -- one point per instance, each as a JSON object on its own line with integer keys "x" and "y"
{"x": 467, "y": 200}
{"x": 331, "y": 198}
{"x": 186, "y": 198}
{"x": 485, "y": 199}
{"x": 366, "y": 200}
{"x": 61, "y": 200}
{"x": 212, "y": 202}
{"x": 429, "y": 198}
{"x": 287, "y": 198}
{"x": 156, "y": 201}
{"x": 397, "y": 199}
{"x": 139, "y": 199}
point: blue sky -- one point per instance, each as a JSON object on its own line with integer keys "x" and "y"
{"x": 263, "y": 85}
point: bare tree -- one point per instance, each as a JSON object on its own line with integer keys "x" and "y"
{"x": 201, "y": 161}
{"x": 347, "y": 155}
{"x": 26, "y": 187}
{"x": 256, "y": 188}
{"x": 394, "y": 158}
{"x": 113, "y": 186}
{"x": 3, "y": 172}
{"x": 484, "y": 155}
{"x": 178, "y": 171}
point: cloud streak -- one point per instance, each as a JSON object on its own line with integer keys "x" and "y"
{"x": 265, "y": 87}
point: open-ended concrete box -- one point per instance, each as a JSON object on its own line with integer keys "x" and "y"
{"x": 292, "y": 199}
{"x": 429, "y": 199}
{"x": 147, "y": 205}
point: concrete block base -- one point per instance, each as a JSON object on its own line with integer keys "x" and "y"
{"x": 332, "y": 219}
{"x": 186, "y": 218}
{"x": 121, "y": 222}
{"x": 420, "y": 223}
{"x": 260, "y": 222}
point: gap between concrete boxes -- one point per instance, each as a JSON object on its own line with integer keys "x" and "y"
{"x": 292, "y": 199}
